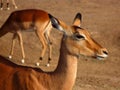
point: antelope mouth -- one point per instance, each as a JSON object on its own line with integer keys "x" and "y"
{"x": 100, "y": 57}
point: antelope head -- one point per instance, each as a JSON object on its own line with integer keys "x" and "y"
{"x": 78, "y": 41}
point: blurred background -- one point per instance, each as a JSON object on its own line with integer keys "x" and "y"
{"x": 100, "y": 17}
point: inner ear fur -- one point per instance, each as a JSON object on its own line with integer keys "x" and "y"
{"x": 58, "y": 24}
{"x": 77, "y": 20}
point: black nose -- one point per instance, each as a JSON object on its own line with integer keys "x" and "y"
{"x": 105, "y": 52}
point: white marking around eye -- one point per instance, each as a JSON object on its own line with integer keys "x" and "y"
{"x": 84, "y": 36}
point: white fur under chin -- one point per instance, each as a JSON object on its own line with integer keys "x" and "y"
{"x": 99, "y": 58}
{"x": 102, "y": 57}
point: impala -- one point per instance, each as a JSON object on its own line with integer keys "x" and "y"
{"x": 76, "y": 41}
{"x": 8, "y": 8}
{"x": 25, "y": 21}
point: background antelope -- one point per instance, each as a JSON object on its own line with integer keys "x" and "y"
{"x": 76, "y": 41}
{"x": 25, "y": 21}
{"x": 7, "y": 4}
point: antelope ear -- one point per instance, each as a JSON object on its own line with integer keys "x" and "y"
{"x": 77, "y": 20}
{"x": 56, "y": 23}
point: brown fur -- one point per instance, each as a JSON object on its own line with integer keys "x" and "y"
{"x": 29, "y": 20}
{"x": 15, "y": 77}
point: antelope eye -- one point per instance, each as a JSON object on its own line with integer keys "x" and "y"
{"x": 78, "y": 36}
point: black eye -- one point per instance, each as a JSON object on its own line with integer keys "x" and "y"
{"x": 79, "y": 36}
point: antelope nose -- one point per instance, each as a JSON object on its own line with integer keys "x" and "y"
{"x": 105, "y": 52}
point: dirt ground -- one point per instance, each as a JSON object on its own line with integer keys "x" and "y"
{"x": 100, "y": 17}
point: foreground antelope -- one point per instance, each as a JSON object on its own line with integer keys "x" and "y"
{"x": 76, "y": 41}
{"x": 8, "y": 8}
{"x": 25, "y": 21}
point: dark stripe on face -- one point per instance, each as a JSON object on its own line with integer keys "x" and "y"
{"x": 77, "y": 27}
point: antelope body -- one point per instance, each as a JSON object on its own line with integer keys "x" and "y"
{"x": 29, "y": 20}
{"x": 76, "y": 41}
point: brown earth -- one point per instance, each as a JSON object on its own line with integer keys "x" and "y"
{"x": 100, "y": 17}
